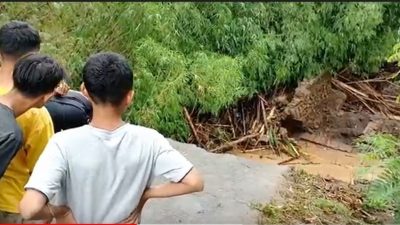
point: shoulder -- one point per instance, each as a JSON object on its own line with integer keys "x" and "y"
{"x": 18, "y": 135}
{"x": 144, "y": 132}
{"x": 36, "y": 125}
{"x": 13, "y": 133}
{"x": 77, "y": 132}
{"x": 10, "y": 133}
{"x": 36, "y": 116}
{"x": 71, "y": 137}
{"x": 147, "y": 136}
{"x": 152, "y": 137}
{"x": 17, "y": 138}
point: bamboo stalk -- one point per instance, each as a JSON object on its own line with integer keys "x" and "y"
{"x": 228, "y": 145}
{"x": 191, "y": 125}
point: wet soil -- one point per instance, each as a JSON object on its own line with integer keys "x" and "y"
{"x": 317, "y": 160}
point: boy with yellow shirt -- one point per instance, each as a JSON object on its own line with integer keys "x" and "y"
{"x": 17, "y": 39}
{"x": 37, "y": 128}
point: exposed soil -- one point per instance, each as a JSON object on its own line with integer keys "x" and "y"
{"x": 320, "y": 106}
{"x": 317, "y": 160}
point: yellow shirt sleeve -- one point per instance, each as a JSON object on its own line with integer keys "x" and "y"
{"x": 38, "y": 129}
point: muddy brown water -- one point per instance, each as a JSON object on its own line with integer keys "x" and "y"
{"x": 319, "y": 160}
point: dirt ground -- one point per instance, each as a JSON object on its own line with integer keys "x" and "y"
{"x": 318, "y": 160}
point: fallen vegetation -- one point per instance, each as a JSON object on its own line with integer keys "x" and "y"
{"x": 329, "y": 110}
{"x": 312, "y": 199}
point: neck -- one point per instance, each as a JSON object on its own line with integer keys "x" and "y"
{"x": 17, "y": 102}
{"x": 6, "y": 71}
{"x": 106, "y": 117}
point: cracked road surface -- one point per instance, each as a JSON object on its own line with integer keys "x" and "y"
{"x": 232, "y": 184}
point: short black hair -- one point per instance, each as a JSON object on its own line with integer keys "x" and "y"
{"x": 18, "y": 38}
{"x": 35, "y": 75}
{"x": 108, "y": 78}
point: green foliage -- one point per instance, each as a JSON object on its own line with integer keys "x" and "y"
{"x": 379, "y": 146}
{"x": 395, "y": 55}
{"x": 160, "y": 85}
{"x": 391, "y": 18}
{"x": 217, "y": 81}
{"x": 331, "y": 207}
{"x": 209, "y": 55}
{"x": 384, "y": 192}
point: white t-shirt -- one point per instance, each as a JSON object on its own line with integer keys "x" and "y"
{"x": 101, "y": 174}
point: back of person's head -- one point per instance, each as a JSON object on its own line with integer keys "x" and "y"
{"x": 36, "y": 75}
{"x": 18, "y": 38}
{"x": 108, "y": 79}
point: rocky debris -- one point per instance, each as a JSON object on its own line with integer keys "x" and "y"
{"x": 326, "y": 141}
{"x": 318, "y": 107}
{"x": 383, "y": 125}
{"x": 315, "y": 102}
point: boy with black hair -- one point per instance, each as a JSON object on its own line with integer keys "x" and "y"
{"x": 103, "y": 171}
{"x": 17, "y": 39}
{"x": 35, "y": 78}
{"x": 68, "y": 108}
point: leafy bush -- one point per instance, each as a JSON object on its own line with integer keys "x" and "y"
{"x": 160, "y": 85}
{"x": 395, "y": 55}
{"x": 210, "y": 55}
{"x": 217, "y": 81}
{"x": 385, "y": 192}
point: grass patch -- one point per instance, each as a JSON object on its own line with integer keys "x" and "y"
{"x": 312, "y": 199}
{"x": 384, "y": 192}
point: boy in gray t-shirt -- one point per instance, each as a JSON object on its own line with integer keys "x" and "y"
{"x": 102, "y": 172}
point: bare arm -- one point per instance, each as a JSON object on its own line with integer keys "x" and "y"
{"x": 44, "y": 184}
{"x": 33, "y": 206}
{"x": 192, "y": 182}
{"x": 173, "y": 166}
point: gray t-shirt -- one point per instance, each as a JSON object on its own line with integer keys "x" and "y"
{"x": 101, "y": 174}
{"x": 11, "y": 137}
